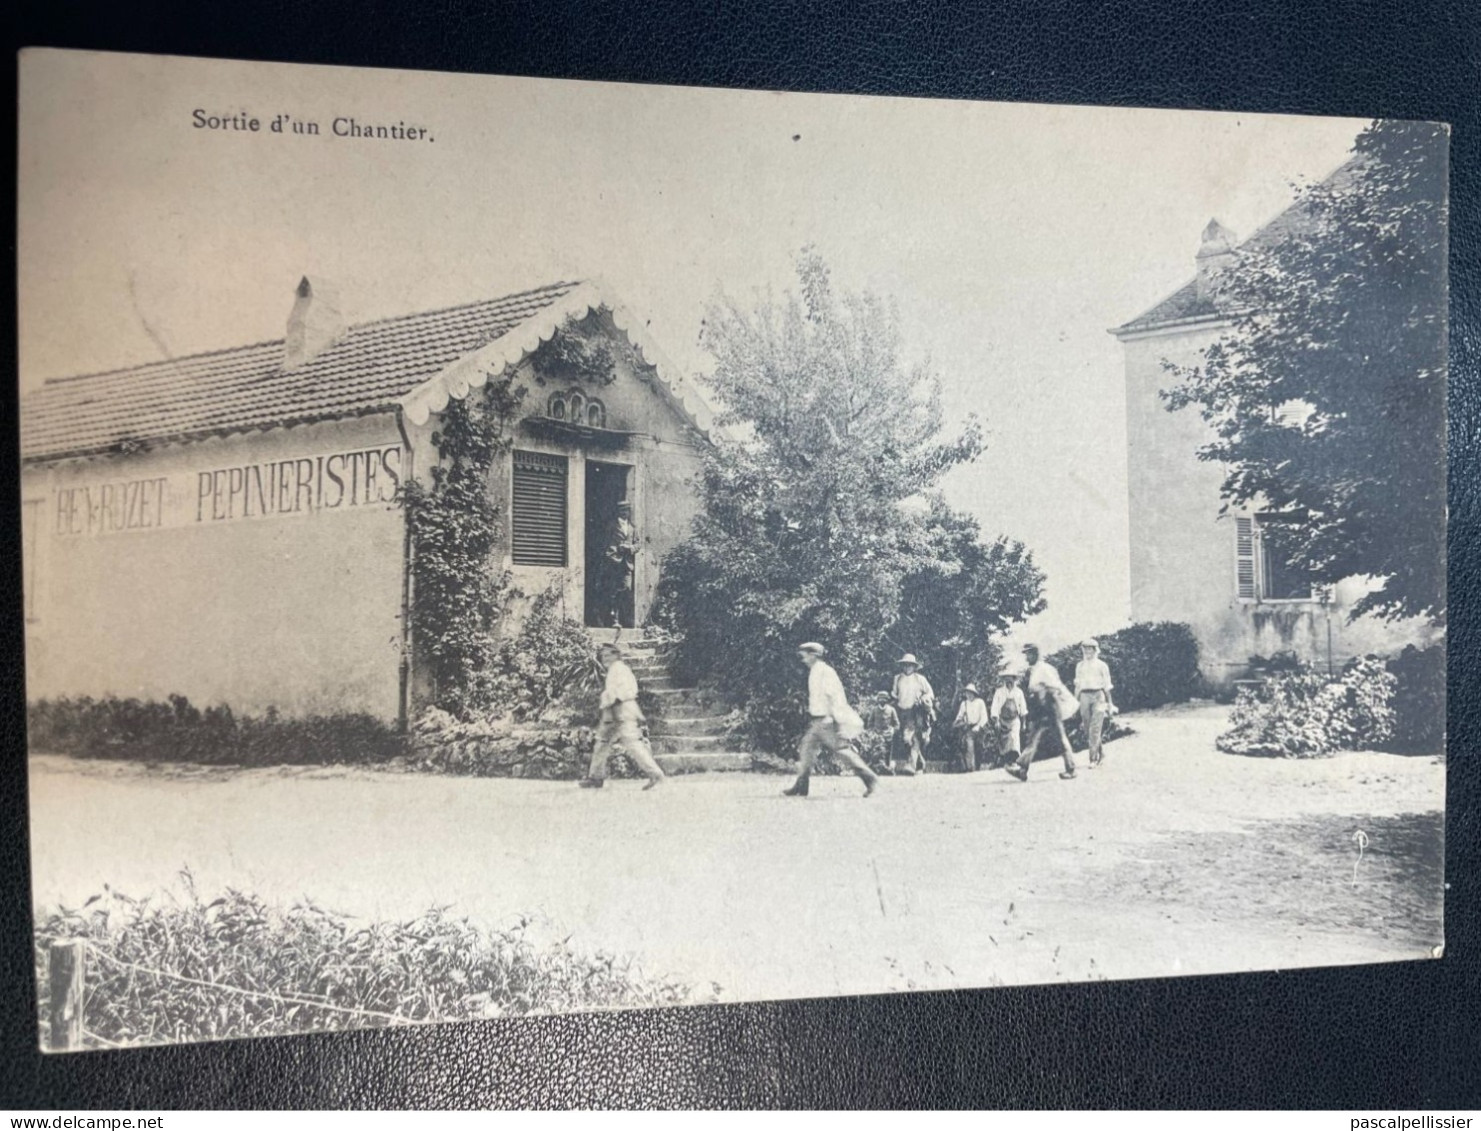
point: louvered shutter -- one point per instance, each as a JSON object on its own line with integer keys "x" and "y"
{"x": 1244, "y": 558}
{"x": 539, "y": 511}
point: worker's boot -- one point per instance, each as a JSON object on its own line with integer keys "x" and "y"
{"x": 799, "y": 788}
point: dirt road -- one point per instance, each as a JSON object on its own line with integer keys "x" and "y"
{"x": 1171, "y": 858}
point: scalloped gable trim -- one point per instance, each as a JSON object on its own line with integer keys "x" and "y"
{"x": 473, "y": 370}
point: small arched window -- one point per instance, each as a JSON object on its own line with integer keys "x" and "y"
{"x": 558, "y": 407}
{"x": 596, "y": 414}
{"x": 578, "y": 408}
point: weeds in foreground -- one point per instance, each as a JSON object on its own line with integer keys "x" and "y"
{"x": 181, "y": 968}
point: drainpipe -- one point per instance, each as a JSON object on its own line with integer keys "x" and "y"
{"x": 403, "y": 711}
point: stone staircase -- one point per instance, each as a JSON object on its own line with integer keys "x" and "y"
{"x": 687, "y": 732}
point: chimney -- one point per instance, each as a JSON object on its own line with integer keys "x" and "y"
{"x": 1216, "y": 255}
{"x": 315, "y": 323}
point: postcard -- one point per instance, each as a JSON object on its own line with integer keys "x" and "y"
{"x": 498, "y": 546}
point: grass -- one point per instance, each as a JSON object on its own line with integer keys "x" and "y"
{"x": 308, "y": 969}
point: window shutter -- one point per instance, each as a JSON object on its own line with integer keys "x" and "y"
{"x": 1244, "y": 558}
{"x": 539, "y": 511}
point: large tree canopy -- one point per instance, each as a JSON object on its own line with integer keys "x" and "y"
{"x": 816, "y": 522}
{"x": 1343, "y": 317}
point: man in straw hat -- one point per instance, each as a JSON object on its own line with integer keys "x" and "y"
{"x": 1093, "y": 687}
{"x": 915, "y": 703}
{"x": 830, "y": 719}
{"x": 971, "y": 727}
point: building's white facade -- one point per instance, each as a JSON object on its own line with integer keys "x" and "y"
{"x": 1190, "y": 563}
{"x": 227, "y": 527}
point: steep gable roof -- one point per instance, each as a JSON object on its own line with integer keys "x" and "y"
{"x": 413, "y": 361}
{"x": 1185, "y": 305}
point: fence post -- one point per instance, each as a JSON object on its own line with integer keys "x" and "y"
{"x": 68, "y": 971}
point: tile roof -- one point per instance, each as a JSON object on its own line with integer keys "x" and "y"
{"x": 369, "y": 370}
{"x": 1184, "y": 304}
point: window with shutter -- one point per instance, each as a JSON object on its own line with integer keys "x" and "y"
{"x": 1244, "y": 558}
{"x": 539, "y": 510}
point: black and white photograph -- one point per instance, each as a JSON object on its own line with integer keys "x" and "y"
{"x": 507, "y": 546}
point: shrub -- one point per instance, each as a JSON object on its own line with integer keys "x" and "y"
{"x": 310, "y": 966}
{"x": 1151, "y": 664}
{"x": 550, "y": 658}
{"x": 1305, "y": 715}
{"x": 487, "y": 748}
{"x": 177, "y": 731}
{"x": 1419, "y": 699}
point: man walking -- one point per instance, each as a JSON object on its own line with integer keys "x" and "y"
{"x": 915, "y": 702}
{"x": 1049, "y": 702}
{"x": 827, "y": 709}
{"x": 971, "y": 726}
{"x": 1093, "y": 687}
{"x": 620, "y": 723}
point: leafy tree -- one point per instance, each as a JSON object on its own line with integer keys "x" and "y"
{"x": 1341, "y": 311}
{"x": 805, "y": 532}
{"x": 960, "y": 594}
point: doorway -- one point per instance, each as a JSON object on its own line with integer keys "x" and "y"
{"x": 611, "y": 545}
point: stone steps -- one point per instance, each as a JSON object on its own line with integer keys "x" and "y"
{"x": 688, "y": 743}
{"x": 719, "y": 762}
{"x": 688, "y": 736}
{"x": 700, "y": 724}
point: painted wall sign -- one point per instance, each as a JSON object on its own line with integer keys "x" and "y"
{"x": 301, "y": 485}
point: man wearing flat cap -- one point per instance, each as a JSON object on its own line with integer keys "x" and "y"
{"x": 830, "y": 718}
{"x": 1093, "y": 688}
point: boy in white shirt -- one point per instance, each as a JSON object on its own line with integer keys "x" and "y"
{"x": 970, "y": 725}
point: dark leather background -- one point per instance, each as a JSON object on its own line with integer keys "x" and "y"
{"x": 1396, "y": 1036}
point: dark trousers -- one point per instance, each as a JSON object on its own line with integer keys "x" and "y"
{"x": 1042, "y": 722}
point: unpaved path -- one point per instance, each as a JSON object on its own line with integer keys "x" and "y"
{"x": 1171, "y": 858}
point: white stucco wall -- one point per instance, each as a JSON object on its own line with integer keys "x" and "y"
{"x": 156, "y": 573}
{"x": 1183, "y": 552}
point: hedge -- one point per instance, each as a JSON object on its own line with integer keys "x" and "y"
{"x": 1151, "y": 664}
{"x": 176, "y": 731}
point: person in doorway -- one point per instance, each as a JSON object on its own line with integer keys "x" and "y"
{"x": 620, "y": 725}
{"x": 621, "y": 554}
{"x": 1093, "y": 688}
{"x": 1008, "y": 710}
{"x": 915, "y": 702}
{"x": 830, "y": 718}
{"x": 971, "y": 727}
{"x": 1049, "y": 704}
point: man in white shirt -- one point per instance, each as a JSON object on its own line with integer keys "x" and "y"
{"x": 1008, "y": 710}
{"x": 1093, "y": 687}
{"x": 827, "y": 706}
{"x": 1048, "y": 700}
{"x": 915, "y": 702}
{"x": 970, "y": 725}
{"x": 620, "y": 724}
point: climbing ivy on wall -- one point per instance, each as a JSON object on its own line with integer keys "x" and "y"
{"x": 581, "y": 350}
{"x": 458, "y": 596}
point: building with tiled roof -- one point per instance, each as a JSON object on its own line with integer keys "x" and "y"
{"x": 226, "y": 526}
{"x": 1221, "y": 573}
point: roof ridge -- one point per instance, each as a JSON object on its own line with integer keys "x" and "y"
{"x": 1145, "y": 321}
{"x": 247, "y": 346}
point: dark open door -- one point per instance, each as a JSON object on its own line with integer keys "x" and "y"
{"x": 611, "y": 545}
